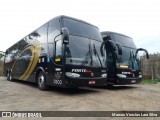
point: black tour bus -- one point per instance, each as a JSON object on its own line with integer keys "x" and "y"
{"x": 123, "y": 62}
{"x": 63, "y": 52}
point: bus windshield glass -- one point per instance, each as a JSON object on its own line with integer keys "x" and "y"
{"x": 85, "y": 52}
{"x": 128, "y": 57}
{"x": 82, "y": 29}
{"x": 128, "y": 51}
{"x": 123, "y": 40}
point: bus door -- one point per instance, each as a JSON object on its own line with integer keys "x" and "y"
{"x": 59, "y": 58}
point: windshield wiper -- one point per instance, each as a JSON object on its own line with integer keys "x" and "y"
{"x": 132, "y": 60}
{"x": 96, "y": 54}
{"x": 89, "y": 53}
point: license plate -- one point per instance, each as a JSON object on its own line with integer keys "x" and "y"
{"x": 92, "y": 82}
{"x": 133, "y": 81}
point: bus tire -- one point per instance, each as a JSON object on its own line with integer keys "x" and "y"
{"x": 42, "y": 81}
{"x": 9, "y": 76}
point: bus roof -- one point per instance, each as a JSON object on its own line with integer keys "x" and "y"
{"x": 64, "y": 16}
{"x": 127, "y": 42}
{"x": 58, "y": 17}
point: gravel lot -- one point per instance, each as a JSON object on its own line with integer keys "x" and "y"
{"x": 24, "y": 96}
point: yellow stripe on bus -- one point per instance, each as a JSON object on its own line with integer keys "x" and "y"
{"x": 35, "y": 49}
{"x": 35, "y": 61}
{"x": 30, "y": 63}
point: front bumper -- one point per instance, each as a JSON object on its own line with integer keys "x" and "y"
{"x": 125, "y": 81}
{"x": 79, "y": 82}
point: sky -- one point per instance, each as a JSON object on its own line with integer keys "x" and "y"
{"x": 139, "y": 19}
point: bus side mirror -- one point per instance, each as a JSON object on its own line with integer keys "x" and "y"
{"x": 113, "y": 45}
{"x": 141, "y": 49}
{"x": 101, "y": 49}
{"x": 119, "y": 46}
{"x": 108, "y": 43}
{"x": 65, "y": 35}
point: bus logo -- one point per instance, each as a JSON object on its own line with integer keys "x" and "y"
{"x": 92, "y": 74}
{"x": 81, "y": 70}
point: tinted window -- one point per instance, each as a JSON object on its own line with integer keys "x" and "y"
{"x": 78, "y": 51}
{"x": 124, "y": 40}
{"x": 7, "y": 57}
{"x": 82, "y": 29}
{"x": 13, "y": 52}
{"x": 98, "y": 59}
{"x": 84, "y": 51}
{"x": 26, "y": 57}
{"x": 44, "y": 49}
{"x": 51, "y": 49}
{"x": 23, "y": 61}
{"x": 53, "y": 30}
{"x": 41, "y": 34}
{"x": 22, "y": 44}
{"x": 128, "y": 58}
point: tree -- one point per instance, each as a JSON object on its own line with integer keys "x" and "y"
{"x": 1, "y": 56}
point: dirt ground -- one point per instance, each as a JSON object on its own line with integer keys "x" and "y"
{"x": 24, "y": 96}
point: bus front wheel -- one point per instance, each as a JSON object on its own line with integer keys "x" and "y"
{"x": 42, "y": 81}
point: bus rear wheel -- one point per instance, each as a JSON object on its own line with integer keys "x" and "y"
{"x": 42, "y": 81}
{"x": 9, "y": 76}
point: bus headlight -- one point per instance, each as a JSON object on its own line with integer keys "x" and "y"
{"x": 104, "y": 75}
{"x": 72, "y": 75}
{"x": 121, "y": 75}
{"x": 140, "y": 76}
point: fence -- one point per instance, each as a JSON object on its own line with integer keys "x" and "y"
{"x": 1, "y": 68}
{"x": 151, "y": 66}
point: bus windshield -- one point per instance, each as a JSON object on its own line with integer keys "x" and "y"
{"x": 85, "y": 52}
{"x": 81, "y": 29}
{"x": 123, "y": 40}
{"x": 128, "y": 51}
{"x": 128, "y": 57}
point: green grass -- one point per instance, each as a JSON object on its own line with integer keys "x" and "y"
{"x": 149, "y": 81}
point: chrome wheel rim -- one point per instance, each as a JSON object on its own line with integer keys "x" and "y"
{"x": 8, "y": 75}
{"x": 41, "y": 80}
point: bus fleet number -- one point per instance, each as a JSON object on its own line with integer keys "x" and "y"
{"x": 57, "y": 82}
